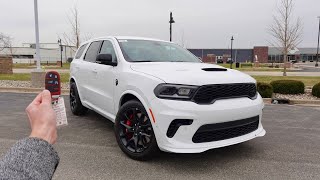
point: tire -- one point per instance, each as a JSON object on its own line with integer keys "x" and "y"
{"x": 75, "y": 103}
{"x": 134, "y": 132}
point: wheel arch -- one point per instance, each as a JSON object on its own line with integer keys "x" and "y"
{"x": 130, "y": 95}
{"x": 72, "y": 79}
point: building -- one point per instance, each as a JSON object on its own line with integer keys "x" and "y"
{"x": 49, "y": 52}
{"x": 263, "y": 54}
{"x": 296, "y": 54}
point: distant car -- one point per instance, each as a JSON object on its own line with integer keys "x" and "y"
{"x": 69, "y": 60}
{"x": 293, "y": 61}
{"x": 219, "y": 61}
{"x": 160, "y": 96}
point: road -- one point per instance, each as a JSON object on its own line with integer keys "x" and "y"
{"x": 88, "y": 150}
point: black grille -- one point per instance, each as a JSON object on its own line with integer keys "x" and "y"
{"x": 226, "y": 130}
{"x": 209, "y": 93}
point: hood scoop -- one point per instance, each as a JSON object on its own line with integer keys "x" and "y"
{"x": 214, "y": 69}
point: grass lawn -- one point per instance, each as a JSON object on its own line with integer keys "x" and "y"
{"x": 252, "y": 69}
{"x": 307, "y": 80}
{"x": 27, "y": 77}
{"x": 44, "y": 65}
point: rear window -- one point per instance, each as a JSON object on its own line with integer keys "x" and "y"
{"x": 80, "y": 51}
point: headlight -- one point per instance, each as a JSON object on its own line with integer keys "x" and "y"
{"x": 174, "y": 91}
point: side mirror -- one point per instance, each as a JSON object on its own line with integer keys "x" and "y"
{"x": 105, "y": 59}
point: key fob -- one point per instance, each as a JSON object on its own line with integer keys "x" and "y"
{"x": 53, "y": 84}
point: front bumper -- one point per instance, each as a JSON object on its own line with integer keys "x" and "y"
{"x": 165, "y": 111}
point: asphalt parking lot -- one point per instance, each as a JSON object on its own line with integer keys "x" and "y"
{"x": 88, "y": 150}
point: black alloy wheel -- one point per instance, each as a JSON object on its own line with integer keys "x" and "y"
{"x": 134, "y": 133}
{"x": 75, "y": 103}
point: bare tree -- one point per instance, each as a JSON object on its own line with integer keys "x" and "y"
{"x": 6, "y": 42}
{"x": 87, "y": 36}
{"x": 286, "y": 30}
{"x": 73, "y": 39}
{"x": 183, "y": 40}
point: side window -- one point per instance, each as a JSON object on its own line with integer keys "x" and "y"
{"x": 92, "y": 51}
{"x": 80, "y": 51}
{"x": 107, "y": 48}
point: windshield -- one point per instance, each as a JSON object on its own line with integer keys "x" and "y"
{"x": 155, "y": 51}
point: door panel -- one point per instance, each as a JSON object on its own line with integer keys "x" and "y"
{"x": 88, "y": 72}
{"x": 105, "y": 81}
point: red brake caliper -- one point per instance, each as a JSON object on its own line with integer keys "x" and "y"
{"x": 129, "y": 123}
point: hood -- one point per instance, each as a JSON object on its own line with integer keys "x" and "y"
{"x": 192, "y": 73}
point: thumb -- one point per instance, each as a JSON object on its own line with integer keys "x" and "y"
{"x": 46, "y": 97}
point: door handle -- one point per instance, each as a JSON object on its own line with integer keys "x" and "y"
{"x": 95, "y": 71}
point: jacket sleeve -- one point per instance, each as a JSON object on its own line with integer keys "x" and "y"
{"x": 29, "y": 158}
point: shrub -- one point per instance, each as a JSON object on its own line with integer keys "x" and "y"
{"x": 316, "y": 90}
{"x": 265, "y": 90}
{"x": 288, "y": 87}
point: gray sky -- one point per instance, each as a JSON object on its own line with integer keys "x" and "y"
{"x": 201, "y": 23}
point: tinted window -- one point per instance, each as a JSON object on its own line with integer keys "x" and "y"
{"x": 80, "y": 51}
{"x": 92, "y": 51}
{"x": 107, "y": 48}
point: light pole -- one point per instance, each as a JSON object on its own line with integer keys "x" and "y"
{"x": 61, "y": 49}
{"x": 231, "y": 52}
{"x": 37, "y": 35}
{"x": 318, "y": 44}
{"x": 171, "y": 22}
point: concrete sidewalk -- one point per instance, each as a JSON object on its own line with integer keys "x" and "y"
{"x": 271, "y": 73}
{"x": 30, "y": 70}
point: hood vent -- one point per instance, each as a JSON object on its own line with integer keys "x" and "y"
{"x": 214, "y": 69}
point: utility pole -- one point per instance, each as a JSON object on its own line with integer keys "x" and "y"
{"x": 61, "y": 49}
{"x": 37, "y": 75}
{"x": 171, "y": 22}
{"x": 318, "y": 44}
{"x": 37, "y": 34}
{"x": 231, "y": 52}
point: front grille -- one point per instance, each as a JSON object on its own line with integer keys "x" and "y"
{"x": 226, "y": 130}
{"x": 209, "y": 93}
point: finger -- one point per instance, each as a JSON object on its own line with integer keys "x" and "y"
{"x": 46, "y": 97}
{"x": 37, "y": 100}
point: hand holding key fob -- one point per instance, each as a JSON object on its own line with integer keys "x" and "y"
{"x": 53, "y": 84}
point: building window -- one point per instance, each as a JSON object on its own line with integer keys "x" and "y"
{"x": 314, "y": 58}
{"x": 22, "y": 56}
{"x": 304, "y": 57}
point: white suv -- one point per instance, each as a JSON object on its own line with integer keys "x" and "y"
{"x": 160, "y": 96}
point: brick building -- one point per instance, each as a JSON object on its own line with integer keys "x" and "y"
{"x": 263, "y": 54}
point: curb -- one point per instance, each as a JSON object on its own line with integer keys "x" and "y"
{"x": 296, "y": 101}
{"x": 267, "y": 100}
{"x": 28, "y": 90}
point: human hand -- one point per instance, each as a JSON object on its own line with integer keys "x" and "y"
{"x": 42, "y": 118}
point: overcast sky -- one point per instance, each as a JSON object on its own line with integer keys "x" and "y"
{"x": 201, "y": 23}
